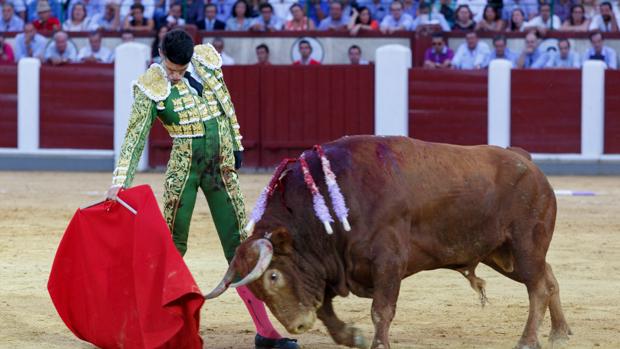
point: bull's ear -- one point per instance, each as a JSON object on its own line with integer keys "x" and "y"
{"x": 282, "y": 241}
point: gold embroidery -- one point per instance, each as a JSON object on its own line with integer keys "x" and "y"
{"x": 208, "y": 55}
{"x": 177, "y": 173}
{"x": 154, "y": 83}
{"x": 195, "y": 129}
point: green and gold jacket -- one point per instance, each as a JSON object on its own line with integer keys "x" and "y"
{"x": 181, "y": 112}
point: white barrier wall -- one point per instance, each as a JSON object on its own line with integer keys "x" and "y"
{"x": 498, "y": 100}
{"x": 28, "y": 101}
{"x": 592, "y": 109}
{"x": 392, "y": 90}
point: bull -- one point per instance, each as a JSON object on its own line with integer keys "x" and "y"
{"x": 413, "y": 206}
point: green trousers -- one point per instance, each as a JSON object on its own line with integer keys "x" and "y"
{"x": 207, "y": 163}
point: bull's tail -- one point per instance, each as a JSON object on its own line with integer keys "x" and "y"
{"x": 521, "y": 152}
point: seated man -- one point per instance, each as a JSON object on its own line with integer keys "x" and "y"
{"x": 544, "y": 21}
{"x": 566, "y": 58}
{"x": 210, "y": 22}
{"x": 109, "y": 20}
{"x": 262, "y": 55}
{"x": 9, "y": 22}
{"x": 531, "y": 56}
{"x": 501, "y": 51}
{"x": 336, "y": 20}
{"x": 599, "y": 51}
{"x": 305, "y": 50}
{"x": 426, "y": 17}
{"x": 94, "y": 52}
{"x": 355, "y": 56}
{"x": 472, "y": 54}
{"x": 267, "y": 21}
{"x": 396, "y": 20}
{"x": 45, "y": 20}
{"x": 439, "y": 55}
{"x": 606, "y": 20}
{"x": 61, "y": 51}
{"x": 29, "y": 43}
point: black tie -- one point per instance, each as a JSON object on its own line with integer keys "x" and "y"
{"x": 194, "y": 83}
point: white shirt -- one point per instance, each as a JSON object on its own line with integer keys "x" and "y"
{"x": 104, "y": 55}
{"x": 464, "y": 58}
{"x": 226, "y": 59}
{"x": 556, "y": 61}
{"x": 599, "y": 24}
{"x": 537, "y": 22}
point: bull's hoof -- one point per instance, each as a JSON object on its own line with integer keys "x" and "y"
{"x": 523, "y": 345}
{"x": 559, "y": 338}
{"x": 358, "y": 338}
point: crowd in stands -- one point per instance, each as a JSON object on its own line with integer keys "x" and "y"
{"x": 534, "y": 17}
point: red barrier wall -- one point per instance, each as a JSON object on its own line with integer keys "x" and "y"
{"x": 77, "y": 106}
{"x": 283, "y": 110}
{"x": 612, "y": 112}
{"x": 546, "y": 110}
{"x": 8, "y": 106}
{"x": 448, "y": 106}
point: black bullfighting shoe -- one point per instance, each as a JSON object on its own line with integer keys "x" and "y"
{"x": 280, "y": 343}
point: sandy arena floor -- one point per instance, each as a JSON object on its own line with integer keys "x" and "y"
{"x": 436, "y": 310}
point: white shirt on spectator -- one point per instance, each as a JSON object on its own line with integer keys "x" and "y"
{"x": 226, "y": 59}
{"x": 104, "y": 55}
{"x": 609, "y": 56}
{"x": 70, "y": 53}
{"x": 281, "y": 8}
{"x": 571, "y": 61}
{"x": 15, "y": 24}
{"x": 85, "y": 26}
{"x": 37, "y": 44}
{"x": 175, "y": 21}
{"x": 464, "y": 58}
{"x": 538, "y": 22}
{"x": 599, "y": 24}
{"x": 405, "y": 21}
{"x": 435, "y": 18}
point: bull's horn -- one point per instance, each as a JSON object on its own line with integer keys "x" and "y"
{"x": 265, "y": 254}
{"x": 225, "y": 283}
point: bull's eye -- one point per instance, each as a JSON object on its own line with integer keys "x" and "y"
{"x": 274, "y": 277}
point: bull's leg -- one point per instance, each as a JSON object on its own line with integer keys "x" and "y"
{"x": 385, "y": 295}
{"x": 342, "y": 333}
{"x": 476, "y": 283}
{"x": 559, "y": 327}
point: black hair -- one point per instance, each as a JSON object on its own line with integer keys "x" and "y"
{"x": 263, "y": 46}
{"x": 353, "y": 47}
{"x": 499, "y": 38}
{"x": 265, "y": 5}
{"x": 178, "y": 47}
{"x": 438, "y": 35}
{"x": 606, "y": 3}
{"x": 304, "y": 41}
{"x": 248, "y": 10}
{"x": 210, "y": 5}
{"x": 137, "y": 6}
{"x": 594, "y": 33}
{"x": 359, "y": 10}
{"x": 563, "y": 40}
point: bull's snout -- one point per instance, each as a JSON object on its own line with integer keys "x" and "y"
{"x": 302, "y": 323}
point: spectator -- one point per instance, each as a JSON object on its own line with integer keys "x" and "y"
{"x": 464, "y": 19}
{"x": 19, "y": 7}
{"x": 439, "y": 55}
{"x": 218, "y": 44}
{"x": 317, "y": 10}
{"x": 529, "y": 8}
{"x": 531, "y": 55}
{"x": 472, "y": 54}
{"x": 599, "y": 51}
{"x": 262, "y": 55}
{"x": 361, "y": 20}
{"x": 577, "y": 21}
{"x": 305, "y": 50}
{"x": 336, "y": 21}
{"x": 175, "y": 16}
{"x": 54, "y": 6}
{"x": 194, "y": 11}
{"x": 6, "y": 52}
{"x": 475, "y": 6}
{"x": 411, "y": 8}
{"x": 29, "y": 43}
{"x": 159, "y": 37}
{"x": 9, "y": 22}
{"x": 60, "y": 51}
{"x": 211, "y": 23}
{"x": 566, "y": 58}
{"x": 491, "y": 21}
{"x": 148, "y": 7}
{"x": 93, "y": 7}
{"x": 127, "y": 36}
{"x": 517, "y": 21}
{"x": 224, "y": 9}
{"x": 137, "y": 22}
{"x": 501, "y": 51}
{"x": 425, "y": 17}
{"x": 240, "y": 20}
{"x": 110, "y": 19}
{"x": 355, "y": 56}
{"x": 544, "y": 21}
{"x": 590, "y": 7}
{"x": 282, "y": 8}
{"x": 378, "y": 9}
{"x": 45, "y": 20}
{"x": 95, "y": 52}
{"x": 606, "y": 20}
{"x": 396, "y": 20}
{"x": 78, "y": 21}
{"x": 446, "y": 8}
{"x": 267, "y": 21}
{"x": 563, "y": 9}
{"x": 299, "y": 21}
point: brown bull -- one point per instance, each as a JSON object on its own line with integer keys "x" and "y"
{"x": 414, "y": 206}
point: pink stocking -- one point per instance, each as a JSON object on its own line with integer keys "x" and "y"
{"x": 256, "y": 308}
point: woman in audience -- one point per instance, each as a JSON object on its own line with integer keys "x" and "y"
{"x": 517, "y": 21}
{"x": 136, "y": 22}
{"x": 577, "y": 20}
{"x": 464, "y": 19}
{"x": 299, "y": 21}
{"x": 78, "y": 21}
{"x": 159, "y": 37}
{"x": 240, "y": 19}
{"x": 491, "y": 20}
{"x": 361, "y": 20}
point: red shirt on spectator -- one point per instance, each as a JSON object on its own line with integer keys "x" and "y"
{"x": 51, "y": 24}
{"x": 6, "y": 54}
{"x": 311, "y": 62}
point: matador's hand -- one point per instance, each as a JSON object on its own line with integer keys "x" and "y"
{"x": 238, "y": 158}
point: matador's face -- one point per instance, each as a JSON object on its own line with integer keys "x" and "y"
{"x": 174, "y": 71}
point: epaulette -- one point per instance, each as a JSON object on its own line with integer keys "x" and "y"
{"x": 208, "y": 56}
{"x": 154, "y": 83}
